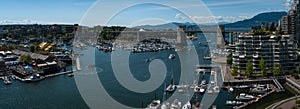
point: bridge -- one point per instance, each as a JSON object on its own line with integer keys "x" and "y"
{"x": 178, "y": 36}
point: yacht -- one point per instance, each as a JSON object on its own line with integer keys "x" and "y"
{"x": 154, "y": 104}
{"x": 260, "y": 89}
{"x": 244, "y": 97}
{"x": 6, "y": 80}
{"x": 234, "y": 103}
{"x": 171, "y": 56}
{"x": 34, "y": 77}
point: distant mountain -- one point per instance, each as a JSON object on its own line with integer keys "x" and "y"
{"x": 244, "y": 25}
{"x": 172, "y": 25}
{"x": 257, "y": 20}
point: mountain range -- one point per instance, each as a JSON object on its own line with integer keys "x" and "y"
{"x": 245, "y": 24}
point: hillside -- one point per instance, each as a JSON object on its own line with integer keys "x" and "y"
{"x": 257, "y": 20}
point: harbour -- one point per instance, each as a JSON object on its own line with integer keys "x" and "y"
{"x": 213, "y": 73}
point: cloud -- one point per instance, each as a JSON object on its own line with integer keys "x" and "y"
{"x": 27, "y": 21}
{"x": 210, "y": 19}
{"x": 230, "y": 3}
{"x": 287, "y": 4}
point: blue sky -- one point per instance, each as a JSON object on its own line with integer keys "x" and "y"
{"x": 133, "y": 12}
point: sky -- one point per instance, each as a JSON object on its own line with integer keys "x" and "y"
{"x": 133, "y": 12}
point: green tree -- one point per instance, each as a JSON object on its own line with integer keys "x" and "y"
{"x": 297, "y": 69}
{"x": 25, "y": 58}
{"x": 262, "y": 67}
{"x": 249, "y": 69}
{"x": 32, "y": 48}
{"x": 234, "y": 70}
{"x": 229, "y": 59}
{"x": 277, "y": 69}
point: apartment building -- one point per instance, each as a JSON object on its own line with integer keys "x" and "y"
{"x": 273, "y": 49}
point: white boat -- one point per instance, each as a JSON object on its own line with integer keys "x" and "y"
{"x": 187, "y": 105}
{"x": 244, "y": 97}
{"x": 6, "y": 80}
{"x": 34, "y": 77}
{"x": 154, "y": 104}
{"x": 176, "y": 104}
{"x": 241, "y": 86}
{"x": 171, "y": 88}
{"x": 260, "y": 89}
{"x": 199, "y": 89}
{"x": 208, "y": 41}
{"x": 231, "y": 89}
{"x": 171, "y": 56}
{"x": 165, "y": 105}
{"x": 234, "y": 103}
{"x": 207, "y": 57}
{"x": 70, "y": 74}
{"x": 216, "y": 89}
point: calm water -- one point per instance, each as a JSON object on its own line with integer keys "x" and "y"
{"x": 57, "y": 92}
{"x": 62, "y": 92}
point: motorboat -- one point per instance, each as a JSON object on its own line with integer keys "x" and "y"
{"x": 199, "y": 89}
{"x": 241, "y": 86}
{"x": 244, "y": 97}
{"x": 147, "y": 60}
{"x": 171, "y": 56}
{"x": 216, "y": 89}
{"x": 70, "y": 74}
{"x": 187, "y": 105}
{"x": 260, "y": 89}
{"x": 6, "y": 80}
{"x": 234, "y": 103}
{"x": 176, "y": 104}
{"x": 207, "y": 57}
{"x": 34, "y": 77}
{"x": 154, "y": 104}
{"x": 165, "y": 105}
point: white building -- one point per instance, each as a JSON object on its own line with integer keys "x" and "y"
{"x": 273, "y": 49}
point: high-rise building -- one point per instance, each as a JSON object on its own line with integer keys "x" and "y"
{"x": 281, "y": 49}
{"x": 290, "y": 24}
{"x": 284, "y": 24}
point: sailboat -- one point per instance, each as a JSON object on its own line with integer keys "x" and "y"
{"x": 154, "y": 104}
{"x": 171, "y": 87}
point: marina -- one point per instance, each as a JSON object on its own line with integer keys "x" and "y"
{"x": 206, "y": 82}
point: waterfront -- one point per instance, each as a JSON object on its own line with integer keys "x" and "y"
{"x": 61, "y": 91}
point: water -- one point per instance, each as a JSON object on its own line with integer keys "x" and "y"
{"x": 56, "y": 92}
{"x": 61, "y": 91}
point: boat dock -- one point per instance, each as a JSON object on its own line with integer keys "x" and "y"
{"x": 279, "y": 86}
{"x": 254, "y": 100}
{"x": 46, "y": 76}
{"x": 61, "y": 73}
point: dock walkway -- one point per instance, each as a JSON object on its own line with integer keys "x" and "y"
{"x": 279, "y": 86}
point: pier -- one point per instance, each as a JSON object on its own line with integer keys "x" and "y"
{"x": 279, "y": 86}
{"x": 61, "y": 73}
{"x": 254, "y": 100}
{"x": 46, "y": 76}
